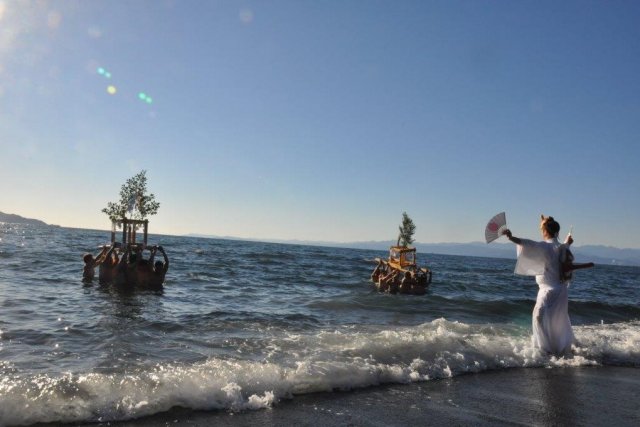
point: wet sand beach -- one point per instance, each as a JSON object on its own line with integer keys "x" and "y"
{"x": 586, "y": 396}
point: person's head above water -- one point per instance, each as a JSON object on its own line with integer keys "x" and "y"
{"x": 549, "y": 227}
{"x": 87, "y": 258}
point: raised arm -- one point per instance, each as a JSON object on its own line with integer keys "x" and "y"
{"x": 124, "y": 259}
{"x": 101, "y": 256}
{"x": 154, "y": 249}
{"x": 511, "y": 237}
{"x": 110, "y": 251}
{"x": 166, "y": 258}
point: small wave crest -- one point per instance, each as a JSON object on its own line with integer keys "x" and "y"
{"x": 302, "y": 363}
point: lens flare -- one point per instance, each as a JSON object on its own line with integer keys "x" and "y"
{"x": 112, "y": 90}
{"x": 246, "y": 16}
{"x": 145, "y": 98}
{"x": 54, "y": 19}
{"x": 104, "y": 72}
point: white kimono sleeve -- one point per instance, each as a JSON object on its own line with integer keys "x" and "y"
{"x": 532, "y": 258}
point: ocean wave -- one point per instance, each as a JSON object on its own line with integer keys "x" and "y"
{"x": 604, "y": 310}
{"x": 294, "y": 364}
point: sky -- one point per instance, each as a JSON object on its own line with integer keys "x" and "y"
{"x": 325, "y": 120}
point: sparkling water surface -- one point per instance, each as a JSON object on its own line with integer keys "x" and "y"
{"x": 241, "y": 324}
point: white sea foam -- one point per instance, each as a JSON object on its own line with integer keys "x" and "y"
{"x": 298, "y": 364}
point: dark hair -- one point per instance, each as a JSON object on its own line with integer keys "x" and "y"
{"x": 550, "y": 225}
{"x": 87, "y": 257}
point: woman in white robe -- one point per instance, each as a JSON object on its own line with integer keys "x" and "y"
{"x": 552, "y": 331}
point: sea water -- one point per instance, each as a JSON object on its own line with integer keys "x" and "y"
{"x": 242, "y": 325}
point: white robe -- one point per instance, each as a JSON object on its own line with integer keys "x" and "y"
{"x": 552, "y": 331}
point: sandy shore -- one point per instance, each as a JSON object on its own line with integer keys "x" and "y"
{"x": 561, "y": 396}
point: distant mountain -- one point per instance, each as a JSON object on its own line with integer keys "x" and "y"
{"x": 597, "y": 254}
{"x": 17, "y": 219}
{"x": 609, "y": 255}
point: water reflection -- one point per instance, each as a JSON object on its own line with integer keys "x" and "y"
{"x": 557, "y": 393}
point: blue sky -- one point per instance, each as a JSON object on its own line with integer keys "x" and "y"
{"x": 325, "y": 120}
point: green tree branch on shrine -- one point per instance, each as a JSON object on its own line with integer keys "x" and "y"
{"x": 134, "y": 200}
{"x": 405, "y": 238}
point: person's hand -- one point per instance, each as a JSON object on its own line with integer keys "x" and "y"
{"x": 568, "y": 240}
{"x": 507, "y": 233}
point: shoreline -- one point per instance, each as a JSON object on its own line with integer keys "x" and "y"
{"x": 518, "y": 396}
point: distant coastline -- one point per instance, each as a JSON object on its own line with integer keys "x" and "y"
{"x": 599, "y": 254}
{"x": 17, "y": 219}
